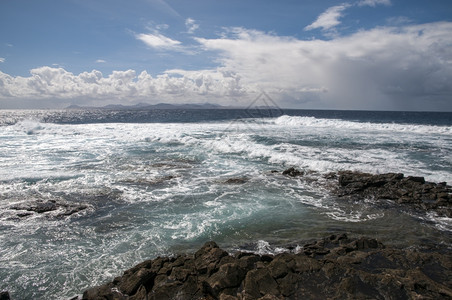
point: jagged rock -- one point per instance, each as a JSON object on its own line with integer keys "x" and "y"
{"x": 149, "y": 182}
{"x": 259, "y": 283}
{"x": 349, "y": 178}
{"x": 229, "y": 276}
{"x": 133, "y": 281}
{"x": 336, "y": 267}
{"x": 411, "y": 190}
{"x": 4, "y": 295}
{"x": 292, "y": 172}
{"x": 108, "y": 291}
{"x": 208, "y": 257}
{"x": 63, "y": 208}
{"x": 37, "y": 206}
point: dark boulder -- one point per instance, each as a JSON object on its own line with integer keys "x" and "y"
{"x": 237, "y": 180}
{"x": 258, "y": 283}
{"x": 207, "y": 258}
{"x": 229, "y": 277}
{"x": 4, "y": 295}
{"x": 60, "y": 208}
{"x": 292, "y": 172}
{"x": 336, "y": 267}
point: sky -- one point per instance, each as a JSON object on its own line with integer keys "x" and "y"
{"x": 306, "y": 54}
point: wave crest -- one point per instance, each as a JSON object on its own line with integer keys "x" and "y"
{"x": 296, "y": 121}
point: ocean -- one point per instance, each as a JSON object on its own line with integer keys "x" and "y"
{"x": 87, "y": 194}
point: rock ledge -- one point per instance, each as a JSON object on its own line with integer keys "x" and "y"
{"x": 410, "y": 190}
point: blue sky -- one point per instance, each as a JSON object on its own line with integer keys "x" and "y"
{"x": 363, "y": 54}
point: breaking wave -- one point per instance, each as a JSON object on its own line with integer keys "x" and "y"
{"x": 295, "y": 121}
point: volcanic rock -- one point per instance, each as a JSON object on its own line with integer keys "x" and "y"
{"x": 292, "y": 172}
{"x": 236, "y": 180}
{"x": 413, "y": 191}
{"x": 336, "y": 267}
{"x": 63, "y": 208}
{"x": 4, "y": 295}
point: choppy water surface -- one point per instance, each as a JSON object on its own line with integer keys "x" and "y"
{"x": 152, "y": 183}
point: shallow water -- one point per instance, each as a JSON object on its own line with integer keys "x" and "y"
{"x": 153, "y": 186}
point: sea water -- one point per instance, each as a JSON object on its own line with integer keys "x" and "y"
{"x": 163, "y": 182}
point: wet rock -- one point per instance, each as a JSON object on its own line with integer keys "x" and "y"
{"x": 336, "y": 267}
{"x": 37, "y": 206}
{"x": 238, "y": 180}
{"x": 208, "y": 257}
{"x": 4, "y": 295}
{"x": 61, "y": 208}
{"x": 292, "y": 172}
{"x": 42, "y": 207}
{"x": 259, "y": 283}
{"x": 107, "y": 291}
{"x": 148, "y": 182}
{"x": 131, "y": 282}
{"x": 72, "y": 209}
{"x": 229, "y": 276}
{"x": 411, "y": 190}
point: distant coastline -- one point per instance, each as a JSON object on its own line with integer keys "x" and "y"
{"x": 146, "y": 106}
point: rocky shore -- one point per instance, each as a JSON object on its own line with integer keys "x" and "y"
{"x": 410, "y": 190}
{"x": 336, "y": 267}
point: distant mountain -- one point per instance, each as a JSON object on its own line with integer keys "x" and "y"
{"x": 153, "y": 106}
{"x": 73, "y": 106}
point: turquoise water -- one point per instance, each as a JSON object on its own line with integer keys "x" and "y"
{"x": 160, "y": 183}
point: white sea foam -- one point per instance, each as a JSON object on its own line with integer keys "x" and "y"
{"x": 153, "y": 186}
{"x": 353, "y": 216}
{"x": 295, "y": 121}
{"x": 263, "y": 247}
{"x": 29, "y": 127}
{"x": 441, "y": 222}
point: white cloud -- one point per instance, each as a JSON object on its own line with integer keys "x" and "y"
{"x": 161, "y": 26}
{"x": 158, "y": 41}
{"x": 101, "y": 61}
{"x": 2, "y": 59}
{"x": 173, "y": 85}
{"x": 329, "y": 19}
{"x": 374, "y": 3}
{"x": 191, "y": 25}
{"x": 407, "y": 67}
{"x": 398, "y": 21}
{"x": 389, "y": 68}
